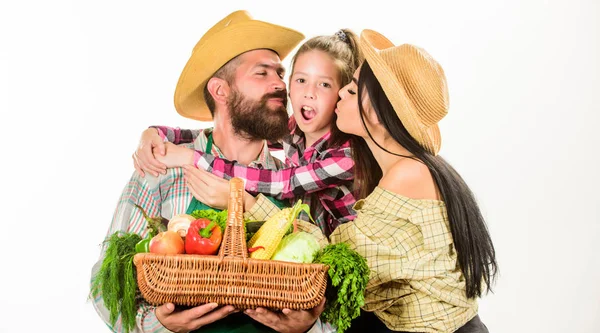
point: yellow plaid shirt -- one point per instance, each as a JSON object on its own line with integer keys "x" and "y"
{"x": 415, "y": 283}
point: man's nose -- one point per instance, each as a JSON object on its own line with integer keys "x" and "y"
{"x": 279, "y": 85}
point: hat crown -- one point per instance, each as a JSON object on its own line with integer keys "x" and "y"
{"x": 233, "y": 18}
{"x": 233, "y": 35}
{"x": 422, "y": 78}
{"x": 413, "y": 82}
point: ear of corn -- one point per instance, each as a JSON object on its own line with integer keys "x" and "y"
{"x": 272, "y": 231}
{"x": 269, "y": 235}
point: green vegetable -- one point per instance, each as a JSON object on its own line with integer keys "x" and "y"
{"x": 219, "y": 217}
{"x": 156, "y": 225}
{"x": 251, "y": 228}
{"x": 349, "y": 274}
{"x": 143, "y": 246}
{"x": 115, "y": 280}
{"x": 297, "y": 247}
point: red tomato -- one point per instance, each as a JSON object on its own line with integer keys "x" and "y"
{"x": 167, "y": 242}
{"x": 203, "y": 237}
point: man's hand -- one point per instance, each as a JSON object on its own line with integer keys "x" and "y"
{"x": 175, "y": 156}
{"x": 288, "y": 321}
{"x": 206, "y": 187}
{"x": 191, "y": 319}
{"x": 143, "y": 158}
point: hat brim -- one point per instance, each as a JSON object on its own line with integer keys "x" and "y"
{"x": 371, "y": 43}
{"x": 217, "y": 50}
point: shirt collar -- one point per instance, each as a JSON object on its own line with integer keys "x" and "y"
{"x": 321, "y": 144}
{"x": 299, "y": 140}
{"x": 264, "y": 159}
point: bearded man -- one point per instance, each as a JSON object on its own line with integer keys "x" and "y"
{"x": 234, "y": 78}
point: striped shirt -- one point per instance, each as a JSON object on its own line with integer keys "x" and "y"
{"x": 165, "y": 195}
{"x": 320, "y": 176}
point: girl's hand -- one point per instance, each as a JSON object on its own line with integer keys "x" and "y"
{"x": 175, "y": 156}
{"x": 206, "y": 187}
{"x": 144, "y": 157}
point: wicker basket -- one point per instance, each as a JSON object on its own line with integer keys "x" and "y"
{"x": 231, "y": 277}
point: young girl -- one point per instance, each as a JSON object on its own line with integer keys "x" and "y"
{"x": 419, "y": 228}
{"x": 318, "y": 167}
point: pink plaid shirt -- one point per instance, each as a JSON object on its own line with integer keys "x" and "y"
{"x": 322, "y": 177}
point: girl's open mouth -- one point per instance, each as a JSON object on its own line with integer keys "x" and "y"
{"x": 308, "y": 112}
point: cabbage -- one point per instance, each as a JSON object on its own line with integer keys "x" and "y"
{"x": 297, "y": 247}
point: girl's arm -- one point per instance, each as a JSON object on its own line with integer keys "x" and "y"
{"x": 152, "y": 145}
{"x": 331, "y": 170}
{"x": 177, "y": 135}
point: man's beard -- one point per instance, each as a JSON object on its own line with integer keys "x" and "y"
{"x": 255, "y": 120}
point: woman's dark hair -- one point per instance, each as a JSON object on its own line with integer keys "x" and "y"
{"x": 475, "y": 251}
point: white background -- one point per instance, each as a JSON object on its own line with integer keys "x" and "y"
{"x": 80, "y": 80}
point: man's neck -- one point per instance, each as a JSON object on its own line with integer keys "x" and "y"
{"x": 233, "y": 146}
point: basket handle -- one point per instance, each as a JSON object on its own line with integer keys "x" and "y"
{"x": 234, "y": 240}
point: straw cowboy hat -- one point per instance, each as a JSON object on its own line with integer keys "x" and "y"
{"x": 230, "y": 37}
{"x": 414, "y": 83}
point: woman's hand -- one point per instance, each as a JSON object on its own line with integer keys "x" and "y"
{"x": 191, "y": 319}
{"x": 144, "y": 157}
{"x": 206, "y": 187}
{"x": 288, "y": 321}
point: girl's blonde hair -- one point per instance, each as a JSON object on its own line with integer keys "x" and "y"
{"x": 342, "y": 47}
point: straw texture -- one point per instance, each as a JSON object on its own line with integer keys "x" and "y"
{"x": 414, "y": 83}
{"x": 235, "y": 34}
{"x": 231, "y": 277}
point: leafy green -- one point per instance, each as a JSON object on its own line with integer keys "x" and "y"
{"x": 298, "y": 247}
{"x": 298, "y": 208}
{"x": 349, "y": 274}
{"x": 116, "y": 281}
{"x": 251, "y": 227}
{"x": 219, "y": 217}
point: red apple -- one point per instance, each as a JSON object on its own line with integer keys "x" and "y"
{"x": 167, "y": 242}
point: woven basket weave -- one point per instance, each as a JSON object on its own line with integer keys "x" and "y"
{"x": 231, "y": 277}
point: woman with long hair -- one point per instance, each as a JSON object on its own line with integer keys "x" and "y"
{"x": 418, "y": 224}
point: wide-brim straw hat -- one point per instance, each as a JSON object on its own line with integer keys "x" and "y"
{"x": 414, "y": 83}
{"x": 235, "y": 34}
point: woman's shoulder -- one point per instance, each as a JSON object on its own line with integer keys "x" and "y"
{"x": 412, "y": 179}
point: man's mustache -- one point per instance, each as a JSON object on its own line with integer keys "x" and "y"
{"x": 277, "y": 94}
